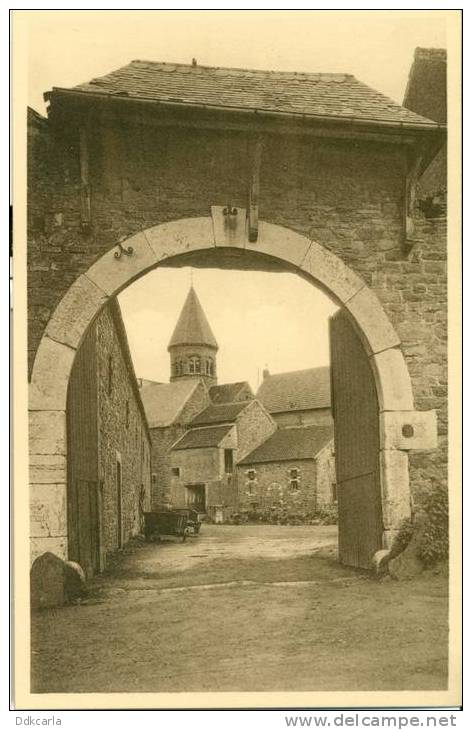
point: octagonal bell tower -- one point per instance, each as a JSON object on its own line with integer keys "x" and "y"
{"x": 193, "y": 346}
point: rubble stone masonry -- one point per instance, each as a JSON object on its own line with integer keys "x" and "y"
{"x": 345, "y": 194}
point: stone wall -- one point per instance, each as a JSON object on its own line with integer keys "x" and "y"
{"x": 325, "y": 475}
{"x": 347, "y": 195}
{"x": 105, "y": 426}
{"x": 316, "y": 417}
{"x": 123, "y": 437}
{"x": 198, "y": 466}
{"x": 254, "y": 425}
{"x": 162, "y": 440}
{"x": 271, "y": 487}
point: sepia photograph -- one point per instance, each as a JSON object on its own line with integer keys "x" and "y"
{"x": 235, "y": 232}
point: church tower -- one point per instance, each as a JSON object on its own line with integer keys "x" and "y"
{"x": 193, "y": 347}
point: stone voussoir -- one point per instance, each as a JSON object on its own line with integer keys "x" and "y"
{"x": 111, "y": 274}
{"x": 75, "y": 312}
{"x": 180, "y": 237}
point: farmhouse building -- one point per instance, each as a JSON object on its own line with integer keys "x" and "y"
{"x": 108, "y": 445}
{"x": 291, "y": 473}
{"x": 202, "y": 431}
{"x": 298, "y": 398}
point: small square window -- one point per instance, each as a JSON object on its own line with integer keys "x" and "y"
{"x": 251, "y": 474}
{"x": 294, "y": 473}
{"x": 175, "y": 471}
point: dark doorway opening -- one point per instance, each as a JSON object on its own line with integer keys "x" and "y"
{"x": 196, "y": 498}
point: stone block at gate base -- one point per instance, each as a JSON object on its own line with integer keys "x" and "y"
{"x": 407, "y": 565}
{"x": 47, "y": 581}
{"x": 48, "y": 510}
{"x": 395, "y": 486}
{"x": 54, "y": 582}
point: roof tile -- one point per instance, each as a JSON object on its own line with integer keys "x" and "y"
{"x": 296, "y": 391}
{"x": 201, "y": 438}
{"x": 220, "y": 413}
{"x": 290, "y": 444}
{"x": 309, "y": 94}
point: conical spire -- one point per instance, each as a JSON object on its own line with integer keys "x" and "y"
{"x": 192, "y": 327}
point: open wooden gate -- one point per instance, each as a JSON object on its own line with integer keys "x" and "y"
{"x": 356, "y": 439}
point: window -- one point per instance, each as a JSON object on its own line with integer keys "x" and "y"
{"x": 197, "y": 365}
{"x": 175, "y": 471}
{"x": 334, "y": 492}
{"x": 294, "y": 479}
{"x": 154, "y": 478}
{"x": 127, "y": 413}
{"x": 228, "y": 461}
{"x": 251, "y": 474}
{"x": 110, "y": 374}
{"x": 177, "y": 368}
{"x": 250, "y": 487}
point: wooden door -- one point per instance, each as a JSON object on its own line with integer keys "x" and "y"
{"x": 119, "y": 505}
{"x": 356, "y": 439}
{"x": 88, "y": 526}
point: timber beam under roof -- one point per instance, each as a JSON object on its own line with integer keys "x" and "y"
{"x": 111, "y": 109}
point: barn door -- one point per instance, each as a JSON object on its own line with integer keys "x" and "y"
{"x": 356, "y": 439}
{"x": 88, "y": 526}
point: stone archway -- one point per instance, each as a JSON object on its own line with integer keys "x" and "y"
{"x": 201, "y": 241}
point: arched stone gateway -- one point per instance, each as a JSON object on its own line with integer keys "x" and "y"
{"x": 206, "y": 241}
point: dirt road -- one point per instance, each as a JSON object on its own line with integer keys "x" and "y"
{"x": 243, "y": 608}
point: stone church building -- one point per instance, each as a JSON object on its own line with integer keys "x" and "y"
{"x": 202, "y": 432}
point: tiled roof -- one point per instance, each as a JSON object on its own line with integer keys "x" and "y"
{"x": 290, "y": 444}
{"x": 296, "y": 391}
{"x": 201, "y": 438}
{"x": 220, "y": 413}
{"x": 325, "y": 95}
{"x": 227, "y": 392}
{"x": 164, "y": 401}
{"x": 192, "y": 327}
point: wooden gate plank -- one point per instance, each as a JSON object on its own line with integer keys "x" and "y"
{"x": 356, "y": 437}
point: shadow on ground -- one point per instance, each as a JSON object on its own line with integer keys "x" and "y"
{"x": 247, "y": 608}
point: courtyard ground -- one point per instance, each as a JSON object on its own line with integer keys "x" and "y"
{"x": 244, "y": 608}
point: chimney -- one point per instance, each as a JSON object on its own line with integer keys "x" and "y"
{"x": 265, "y": 373}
